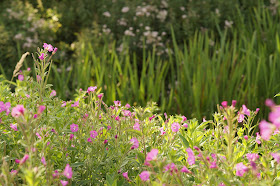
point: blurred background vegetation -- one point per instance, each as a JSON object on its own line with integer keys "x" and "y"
{"x": 186, "y": 55}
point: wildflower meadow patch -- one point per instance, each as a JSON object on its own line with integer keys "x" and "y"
{"x": 48, "y": 141}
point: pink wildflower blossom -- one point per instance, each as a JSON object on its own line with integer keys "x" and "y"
{"x": 63, "y": 182}
{"x": 14, "y": 172}
{"x": 76, "y": 104}
{"x": 100, "y": 95}
{"x": 175, "y": 127}
{"x": 127, "y": 106}
{"x": 145, "y": 175}
{"x": 184, "y": 118}
{"x": 152, "y": 155}
{"x": 224, "y": 104}
{"x": 48, "y": 47}
{"x": 105, "y": 141}
{"x": 274, "y": 116}
{"x": 185, "y": 169}
{"x": 135, "y": 143}
{"x": 136, "y": 126}
{"x": 252, "y": 156}
{"x": 266, "y": 130}
{"x": 43, "y": 160}
{"x": 126, "y": 113}
{"x": 91, "y": 89}
{"x": 117, "y": 103}
{"x": 240, "y": 169}
{"x": 240, "y": 117}
{"x": 14, "y": 126}
{"x": 213, "y": 165}
{"x": 5, "y": 107}
{"x": 125, "y": 175}
{"x": 71, "y": 136}
{"x": 54, "y": 50}
{"x": 191, "y": 157}
{"x": 258, "y": 138}
{"x": 89, "y": 140}
{"x": 246, "y": 137}
{"x": 68, "y": 172}
{"x": 24, "y": 159}
{"x": 18, "y": 111}
{"x": 55, "y": 174}
{"x": 276, "y": 156}
{"x": 41, "y": 109}
{"x": 269, "y": 103}
{"x": 245, "y": 110}
{"x": 117, "y": 118}
{"x": 93, "y": 134}
{"x": 74, "y": 127}
{"x": 162, "y": 132}
{"x": 185, "y": 125}
{"x": 53, "y": 93}
{"x": 42, "y": 56}
{"x": 171, "y": 167}
{"x": 233, "y": 103}
{"x": 20, "y": 77}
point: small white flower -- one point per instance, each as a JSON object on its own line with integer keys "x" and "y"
{"x": 125, "y": 9}
{"x": 107, "y": 14}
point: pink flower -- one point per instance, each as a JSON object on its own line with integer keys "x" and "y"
{"x": 42, "y": 57}
{"x": 28, "y": 69}
{"x": 191, "y": 157}
{"x": 48, "y": 47}
{"x": 71, "y": 136}
{"x": 53, "y": 93}
{"x": 240, "y": 169}
{"x": 39, "y": 78}
{"x": 185, "y": 169}
{"x": 136, "y": 126}
{"x": 258, "y": 138}
{"x": 38, "y": 135}
{"x": 135, "y": 143}
{"x": 63, "y": 104}
{"x": 125, "y": 175}
{"x": 91, "y": 89}
{"x": 100, "y": 95}
{"x": 184, "y": 118}
{"x": 224, "y": 104}
{"x": 269, "y": 103}
{"x": 74, "y": 127}
{"x": 41, "y": 109}
{"x": 93, "y": 134}
{"x": 246, "y": 137}
{"x": 117, "y": 103}
{"x": 117, "y": 118}
{"x": 5, "y": 107}
{"x": 240, "y": 118}
{"x": 14, "y": 126}
{"x": 127, "y": 106}
{"x": 213, "y": 165}
{"x": 68, "y": 172}
{"x": 55, "y": 174}
{"x": 18, "y": 111}
{"x": 276, "y": 156}
{"x": 109, "y": 127}
{"x": 257, "y": 110}
{"x": 274, "y": 116}
{"x": 126, "y": 113}
{"x": 252, "y": 156}
{"x": 145, "y": 175}
{"x": 35, "y": 116}
{"x": 105, "y": 141}
{"x": 152, "y": 155}
{"x": 185, "y": 125}
{"x": 14, "y": 172}
{"x": 76, "y": 104}
{"x": 89, "y": 140}
{"x": 63, "y": 182}
{"x": 175, "y": 127}
{"x": 54, "y": 50}
{"x": 43, "y": 160}
{"x": 233, "y": 103}
{"x": 23, "y": 160}
{"x": 150, "y": 118}
{"x": 266, "y": 130}
{"x": 245, "y": 110}
{"x": 162, "y": 132}
{"x": 170, "y": 167}
{"x": 20, "y": 77}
